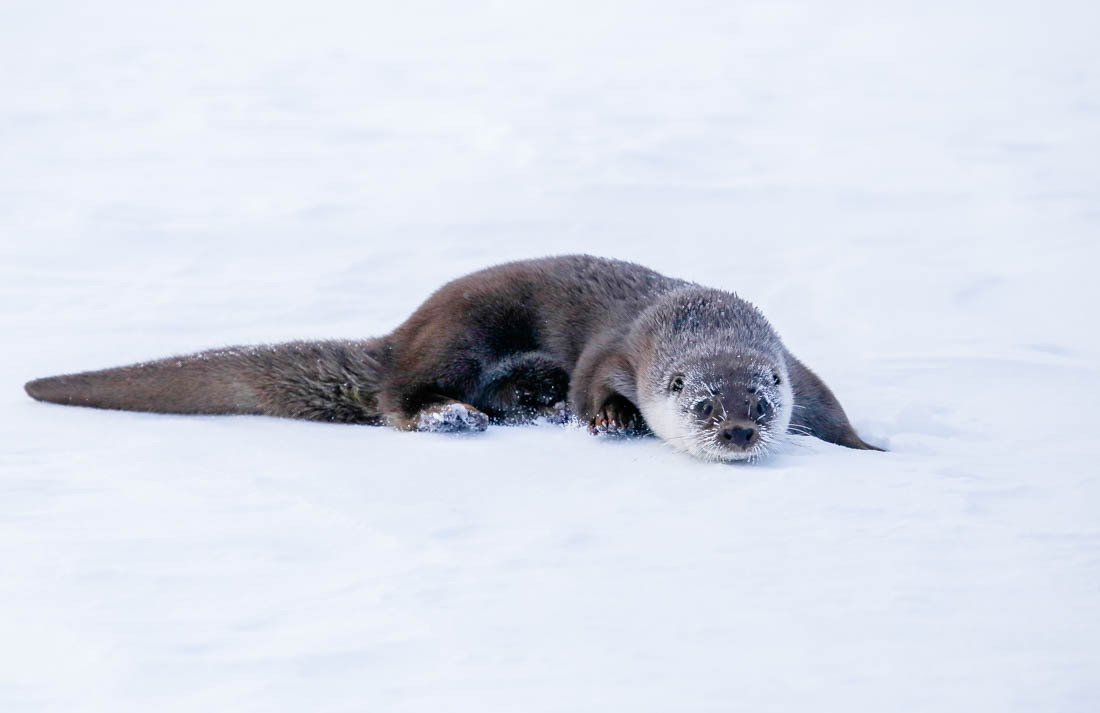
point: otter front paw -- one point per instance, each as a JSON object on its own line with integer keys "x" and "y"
{"x": 618, "y": 416}
{"x": 451, "y": 417}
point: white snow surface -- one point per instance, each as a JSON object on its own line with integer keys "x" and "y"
{"x": 910, "y": 191}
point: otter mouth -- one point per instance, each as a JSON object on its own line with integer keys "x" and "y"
{"x": 734, "y": 442}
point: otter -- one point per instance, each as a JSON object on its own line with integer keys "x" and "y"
{"x": 617, "y": 346}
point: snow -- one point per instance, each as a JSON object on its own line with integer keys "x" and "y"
{"x": 908, "y": 191}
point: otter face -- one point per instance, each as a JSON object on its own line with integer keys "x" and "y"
{"x": 734, "y": 408}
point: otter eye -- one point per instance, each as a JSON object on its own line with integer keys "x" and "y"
{"x": 775, "y": 378}
{"x": 677, "y": 384}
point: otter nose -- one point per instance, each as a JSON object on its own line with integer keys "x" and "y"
{"x": 738, "y": 433}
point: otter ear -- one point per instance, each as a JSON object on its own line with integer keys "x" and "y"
{"x": 817, "y": 411}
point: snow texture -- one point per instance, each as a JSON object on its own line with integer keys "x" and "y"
{"x": 909, "y": 191}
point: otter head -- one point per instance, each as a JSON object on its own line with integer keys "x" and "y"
{"x": 715, "y": 383}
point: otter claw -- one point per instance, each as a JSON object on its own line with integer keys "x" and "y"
{"x": 611, "y": 420}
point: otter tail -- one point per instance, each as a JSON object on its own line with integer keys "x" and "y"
{"x": 321, "y": 381}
